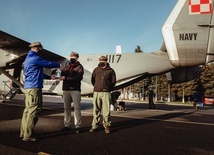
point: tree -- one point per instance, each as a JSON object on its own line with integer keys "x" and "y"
{"x": 138, "y": 50}
{"x": 207, "y": 79}
{"x": 204, "y": 83}
{"x": 162, "y": 86}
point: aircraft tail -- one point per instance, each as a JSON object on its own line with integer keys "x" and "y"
{"x": 189, "y": 33}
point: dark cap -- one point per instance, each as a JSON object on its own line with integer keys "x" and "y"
{"x": 36, "y": 44}
{"x": 103, "y": 58}
{"x": 74, "y": 55}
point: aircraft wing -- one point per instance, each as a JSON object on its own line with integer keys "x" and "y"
{"x": 14, "y": 50}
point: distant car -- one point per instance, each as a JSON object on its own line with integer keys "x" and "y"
{"x": 209, "y": 100}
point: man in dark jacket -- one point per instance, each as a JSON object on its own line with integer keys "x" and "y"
{"x": 197, "y": 99}
{"x": 72, "y": 75}
{"x": 103, "y": 79}
{"x": 33, "y": 71}
{"x": 151, "y": 96}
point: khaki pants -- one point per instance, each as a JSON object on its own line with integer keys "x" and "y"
{"x": 33, "y": 106}
{"x": 101, "y": 103}
{"x": 69, "y": 97}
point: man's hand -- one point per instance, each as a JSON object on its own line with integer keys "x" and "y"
{"x": 62, "y": 78}
{"x": 53, "y": 77}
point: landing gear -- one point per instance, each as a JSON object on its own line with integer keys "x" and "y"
{"x": 10, "y": 94}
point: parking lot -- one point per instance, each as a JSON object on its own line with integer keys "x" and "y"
{"x": 168, "y": 129}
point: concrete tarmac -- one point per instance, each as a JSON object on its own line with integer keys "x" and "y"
{"x": 169, "y": 129}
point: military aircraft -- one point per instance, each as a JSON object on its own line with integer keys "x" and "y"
{"x": 188, "y": 42}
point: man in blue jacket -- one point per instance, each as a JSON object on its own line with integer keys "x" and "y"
{"x": 33, "y": 71}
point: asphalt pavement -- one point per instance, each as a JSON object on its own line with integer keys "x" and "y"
{"x": 171, "y": 128}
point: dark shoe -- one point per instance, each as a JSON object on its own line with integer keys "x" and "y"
{"x": 93, "y": 129}
{"x": 66, "y": 129}
{"x": 32, "y": 139}
{"x": 107, "y": 129}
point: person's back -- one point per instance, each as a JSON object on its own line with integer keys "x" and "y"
{"x": 33, "y": 72}
{"x": 33, "y": 69}
{"x": 151, "y": 96}
{"x": 198, "y": 97}
{"x": 197, "y": 100}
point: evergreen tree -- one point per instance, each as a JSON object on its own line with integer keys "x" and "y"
{"x": 207, "y": 79}
{"x": 205, "y": 84}
{"x": 138, "y": 50}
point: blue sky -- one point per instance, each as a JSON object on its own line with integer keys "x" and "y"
{"x": 87, "y": 26}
